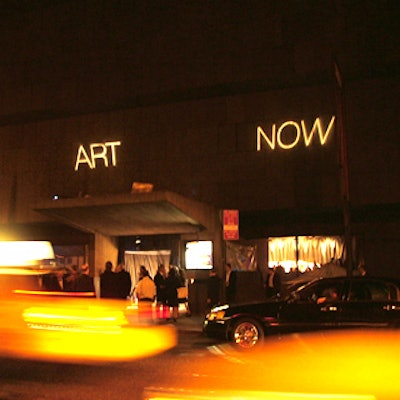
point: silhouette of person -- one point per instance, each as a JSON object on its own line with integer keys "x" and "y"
{"x": 172, "y": 284}
{"x": 108, "y": 283}
{"x": 269, "y": 284}
{"x": 83, "y": 281}
{"x": 124, "y": 281}
{"x": 161, "y": 291}
{"x": 213, "y": 288}
{"x": 230, "y": 283}
{"x": 69, "y": 278}
{"x": 53, "y": 281}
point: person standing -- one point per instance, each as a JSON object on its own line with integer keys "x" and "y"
{"x": 124, "y": 282}
{"x": 145, "y": 293}
{"x": 108, "y": 283}
{"x": 183, "y": 291}
{"x": 84, "y": 282}
{"x": 52, "y": 283}
{"x": 279, "y": 273}
{"x": 172, "y": 284}
{"x": 213, "y": 288}
{"x": 230, "y": 283}
{"x": 69, "y": 278}
{"x": 269, "y": 284}
{"x": 161, "y": 291}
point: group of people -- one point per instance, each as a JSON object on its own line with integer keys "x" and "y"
{"x": 163, "y": 288}
{"x": 72, "y": 279}
{"x": 168, "y": 288}
{"x": 115, "y": 284}
{"x": 273, "y": 281}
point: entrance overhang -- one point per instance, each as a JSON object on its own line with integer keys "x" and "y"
{"x": 158, "y": 212}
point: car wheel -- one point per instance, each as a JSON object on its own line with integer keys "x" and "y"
{"x": 247, "y": 333}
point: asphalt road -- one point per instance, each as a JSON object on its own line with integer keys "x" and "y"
{"x": 182, "y": 366}
{"x": 288, "y": 364}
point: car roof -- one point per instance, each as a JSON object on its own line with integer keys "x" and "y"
{"x": 395, "y": 281}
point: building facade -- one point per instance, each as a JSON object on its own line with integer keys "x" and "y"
{"x": 284, "y": 112}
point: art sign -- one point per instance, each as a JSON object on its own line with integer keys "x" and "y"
{"x": 105, "y": 153}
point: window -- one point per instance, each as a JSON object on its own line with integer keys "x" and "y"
{"x": 322, "y": 292}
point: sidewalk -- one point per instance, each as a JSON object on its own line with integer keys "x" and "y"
{"x": 193, "y": 323}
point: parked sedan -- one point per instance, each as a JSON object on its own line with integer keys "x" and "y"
{"x": 330, "y": 303}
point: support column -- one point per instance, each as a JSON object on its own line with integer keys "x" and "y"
{"x": 105, "y": 249}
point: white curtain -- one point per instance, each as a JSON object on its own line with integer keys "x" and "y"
{"x": 310, "y": 249}
{"x": 320, "y": 249}
{"x": 150, "y": 259}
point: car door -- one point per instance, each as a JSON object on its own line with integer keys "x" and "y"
{"x": 315, "y": 306}
{"x": 370, "y": 302}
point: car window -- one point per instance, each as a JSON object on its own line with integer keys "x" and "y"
{"x": 372, "y": 290}
{"x": 394, "y": 292}
{"x": 379, "y": 291}
{"x": 321, "y": 292}
{"x": 359, "y": 291}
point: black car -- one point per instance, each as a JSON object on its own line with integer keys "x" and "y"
{"x": 329, "y": 303}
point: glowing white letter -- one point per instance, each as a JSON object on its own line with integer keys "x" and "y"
{"x": 101, "y": 154}
{"x": 271, "y": 141}
{"x": 317, "y": 126}
{"x": 113, "y": 154}
{"x": 281, "y": 128}
{"x": 82, "y": 158}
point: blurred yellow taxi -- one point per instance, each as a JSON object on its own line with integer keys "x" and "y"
{"x": 71, "y": 327}
{"x": 75, "y": 329}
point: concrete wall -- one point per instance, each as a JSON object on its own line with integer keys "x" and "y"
{"x": 186, "y": 107}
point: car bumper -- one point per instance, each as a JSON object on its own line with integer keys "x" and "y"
{"x": 216, "y": 328}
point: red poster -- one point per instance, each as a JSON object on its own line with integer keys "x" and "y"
{"x": 231, "y": 224}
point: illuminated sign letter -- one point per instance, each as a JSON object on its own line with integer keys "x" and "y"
{"x": 297, "y": 138}
{"x": 82, "y": 158}
{"x": 113, "y": 154}
{"x": 261, "y": 133}
{"x": 99, "y": 154}
{"x": 317, "y": 126}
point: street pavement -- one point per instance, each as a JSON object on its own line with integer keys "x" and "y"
{"x": 192, "y": 324}
{"x": 191, "y": 339}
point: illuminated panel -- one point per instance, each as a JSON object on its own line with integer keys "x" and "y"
{"x": 198, "y": 255}
{"x": 15, "y": 253}
{"x": 20, "y": 257}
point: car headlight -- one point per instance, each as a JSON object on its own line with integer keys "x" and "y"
{"x": 217, "y": 313}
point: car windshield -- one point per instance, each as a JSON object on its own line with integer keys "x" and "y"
{"x": 292, "y": 291}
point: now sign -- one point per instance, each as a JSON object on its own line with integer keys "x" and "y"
{"x": 289, "y": 134}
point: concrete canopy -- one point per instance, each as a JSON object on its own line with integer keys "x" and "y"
{"x": 159, "y": 212}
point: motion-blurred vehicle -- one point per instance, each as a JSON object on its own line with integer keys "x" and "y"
{"x": 328, "y": 303}
{"x": 57, "y": 326}
{"x": 67, "y": 328}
